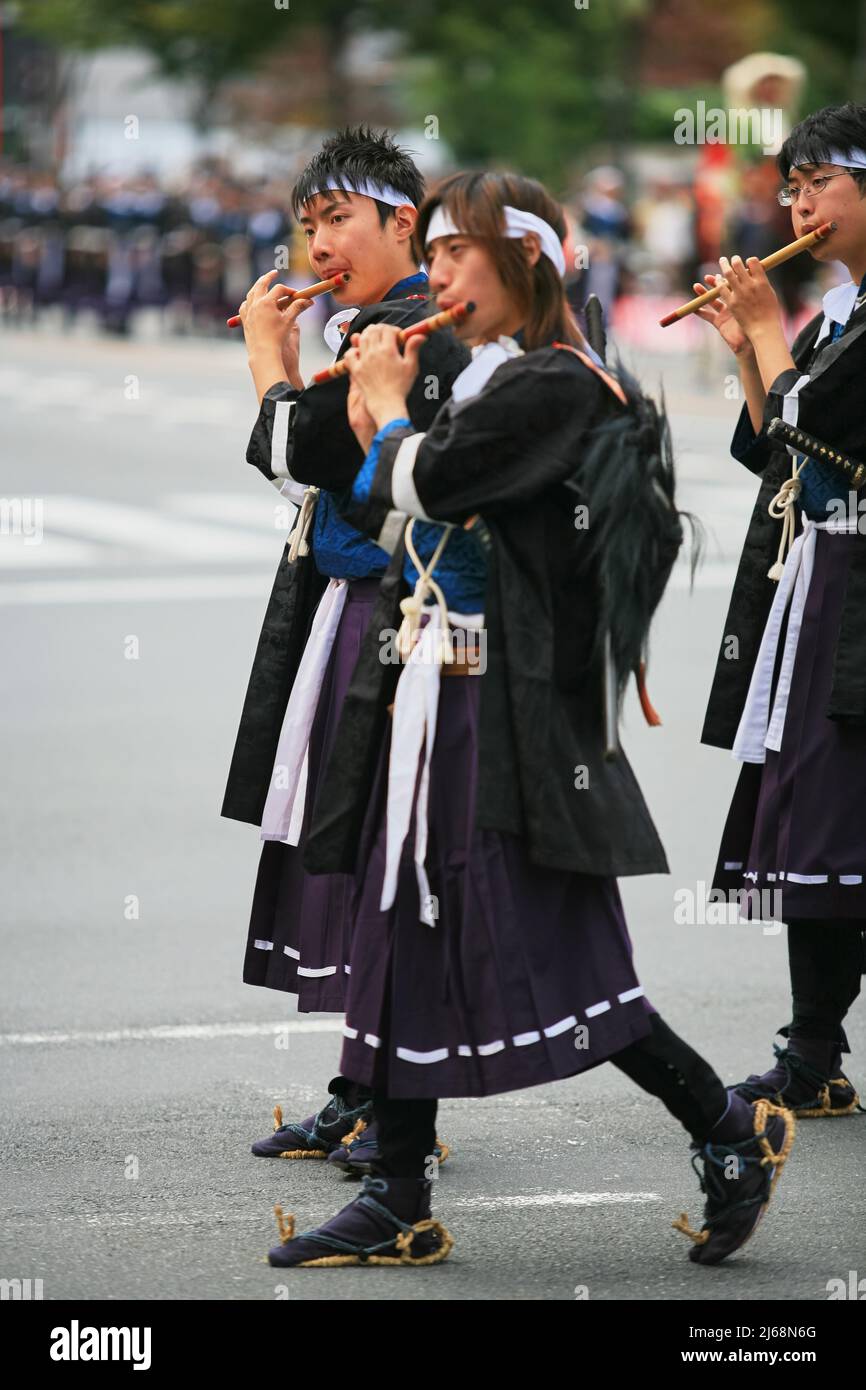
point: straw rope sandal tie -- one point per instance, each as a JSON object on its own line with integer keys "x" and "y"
{"x": 736, "y": 1201}
{"x": 805, "y": 1090}
{"x": 366, "y": 1232}
{"x": 315, "y": 1137}
{"x": 360, "y": 1149}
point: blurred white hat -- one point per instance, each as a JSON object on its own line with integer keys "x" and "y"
{"x": 740, "y": 79}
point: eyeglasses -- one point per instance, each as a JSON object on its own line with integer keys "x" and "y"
{"x": 791, "y": 192}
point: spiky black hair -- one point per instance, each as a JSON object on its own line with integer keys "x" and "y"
{"x": 816, "y": 136}
{"x": 356, "y": 155}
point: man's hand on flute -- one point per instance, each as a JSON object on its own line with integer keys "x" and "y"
{"x": 722, "y": 319}
{"x": 748, "y": 295}
{"x": 383, "y": 374}
{"x": 272, "y": 334}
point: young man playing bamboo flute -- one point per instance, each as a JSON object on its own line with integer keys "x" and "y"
{"x": 789, "y": 695}
{"x": 357, "y": 201}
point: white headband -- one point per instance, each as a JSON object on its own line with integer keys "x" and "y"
{"x": 854, "y": 159}
{"x": 383, "y": 193}
{"x": 516, "y": 223}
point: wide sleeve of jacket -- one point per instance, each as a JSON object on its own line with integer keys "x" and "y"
{"x": 752, "y": 450}
{"x": 475, "y": 456}
{"x": 303, "y": 437}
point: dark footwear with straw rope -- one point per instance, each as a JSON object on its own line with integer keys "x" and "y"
{"x": 738, "y": 1181}
{"x": 389, "y": 1223}
{"x": 319, "y": 1134}
{"x": 795, "y": 1083}
{"x": 360, "y": 1149}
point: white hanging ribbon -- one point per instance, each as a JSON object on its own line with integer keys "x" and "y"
{"x": 284, "y": 806}
{"x": 416, "y": 708}
{"x": 416, "y": 705}
{"x": 759, "y": 730}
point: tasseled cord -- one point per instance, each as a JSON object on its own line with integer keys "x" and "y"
{"x": 782, "y": 506}
{"x": 411, "y": 607}
{"x": 651, "y": 715}
{"x": 298, "y": 541}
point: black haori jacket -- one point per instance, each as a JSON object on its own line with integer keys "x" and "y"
{"x": 829, "y": 405}
{"x": 312, "y": 444}
{"x": 511, "y": 454}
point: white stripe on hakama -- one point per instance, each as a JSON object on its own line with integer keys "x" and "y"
{"x": 629, "y": 994}
{"x": 601, "y": 1008}
{"x": 561, "y": 1027}
{"x": 423, "y": 1058}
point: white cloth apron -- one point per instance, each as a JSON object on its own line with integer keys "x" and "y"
{"x": 284, "y": 807}
{"x": 416, "y": 706}
{"x": 759, "y": 728}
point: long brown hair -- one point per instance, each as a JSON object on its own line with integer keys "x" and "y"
{"x": 476, "y": 202}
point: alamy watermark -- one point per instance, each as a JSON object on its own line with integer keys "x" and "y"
{"x": 22, "y": 516}
{"x": 695, "y": 907}
{"x": 754, "y": 125}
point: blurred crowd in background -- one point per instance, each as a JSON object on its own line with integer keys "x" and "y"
{"x": 113, "y": 246}
{"x": 189, "y": 244}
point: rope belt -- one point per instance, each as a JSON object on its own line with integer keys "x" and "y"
{"x": 782, "y": 507}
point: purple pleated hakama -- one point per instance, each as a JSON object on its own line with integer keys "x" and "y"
{"x": 300, "y": 923}
{"x": 526, "y": 976}
{"x": 796, "y": 826}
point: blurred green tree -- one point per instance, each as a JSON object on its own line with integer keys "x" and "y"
{"x": 505, "y": 79}
{"x": 508, "y": 81}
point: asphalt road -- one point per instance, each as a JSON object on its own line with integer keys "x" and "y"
{"x": 137, "y": 1068}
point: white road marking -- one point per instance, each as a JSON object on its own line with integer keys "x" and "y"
{"x": 126, "y": 546}
{"x": 17, "y": 553}
{"x": 129, "y": 1219}
{"x": 144, "y": 589}
{"x": 263, "y": 511}
{"x": 145, "y": 528}
{"x": 176, "y": 1032}
{"x": 553, "y": 1199}
{"x": 96, "y": 399}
